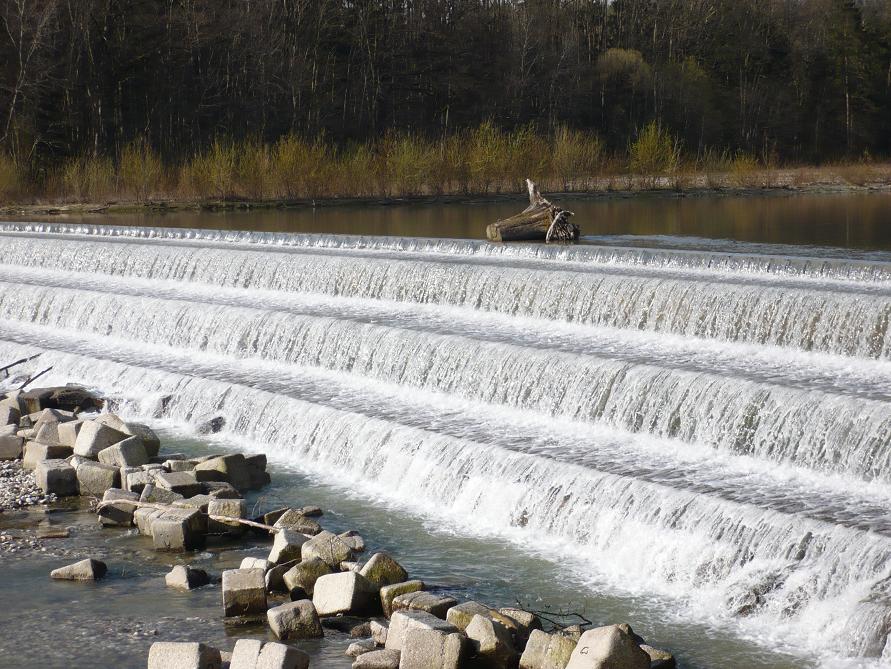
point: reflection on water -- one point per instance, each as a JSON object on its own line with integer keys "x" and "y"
{"x": 861, "y": 221}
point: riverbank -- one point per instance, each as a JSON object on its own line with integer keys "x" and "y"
{"x": 793, "y": 181}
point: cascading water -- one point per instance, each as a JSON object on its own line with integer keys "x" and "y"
{"x": 710, "y": 428}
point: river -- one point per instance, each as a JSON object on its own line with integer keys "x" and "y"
{"x": 682, "y": 422}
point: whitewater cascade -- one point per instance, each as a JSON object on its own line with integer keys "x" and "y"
{"x": 710, "y": 427}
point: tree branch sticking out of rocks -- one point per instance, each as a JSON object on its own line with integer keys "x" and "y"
{"x": 4, "y": 371}
{"x": 31, "y": 379}
{"x": 560, "y": 619}
{"x": 165, "y": 507}
{"x": 541, "y": 220}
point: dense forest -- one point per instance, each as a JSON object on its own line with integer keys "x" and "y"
{"x": 782, "y": 80}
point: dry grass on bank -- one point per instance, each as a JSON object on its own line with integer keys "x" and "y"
{"x": 484, "y": 160}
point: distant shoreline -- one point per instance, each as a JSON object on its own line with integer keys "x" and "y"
{"x": 781, "y": 182}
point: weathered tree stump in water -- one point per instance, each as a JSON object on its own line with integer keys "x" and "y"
{"x": 541, "y": 220}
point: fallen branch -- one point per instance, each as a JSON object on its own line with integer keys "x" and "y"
{"x": 34, "y": 378}
{"x": 5, "y": 370}
{"x": 219, "y": 519}
{"x": 249, "y": 523}
{"x": 541, "y": 220}
{"x": 559, "y": 619}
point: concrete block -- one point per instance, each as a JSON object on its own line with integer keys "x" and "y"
{"x": 244, "y": 592}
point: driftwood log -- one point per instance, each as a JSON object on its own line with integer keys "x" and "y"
{"x": 541, "y": 220}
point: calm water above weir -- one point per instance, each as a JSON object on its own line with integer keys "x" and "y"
{"x": 857, "y": 221}
{"x": 696, "y": 442}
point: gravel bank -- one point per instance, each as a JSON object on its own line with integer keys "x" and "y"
{"x": 18, "y": 488}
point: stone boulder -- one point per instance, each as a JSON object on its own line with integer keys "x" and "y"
{"x": 433, "y": 649}
{"x": 245, "y": 654}
{"x": 68, "y": 432}
{"x": 327, "y": 547}
{"x": 286, "y": 546}
{"x": 199, "y": 502}
{"x": 256, "y": 466}
{"x": 304, "y": 575}
{"x": 438, "y": 605}
{"x": 127, "y": 453}
{"x": 526, "y": 620}
{"x": 50, "y": 417}
{"x": 346, "y": 592}
{"x": 158, "y": 495}
{"x": 229, "y": 468}
{"x": 244, "y": 592}
{"x": 183, "y": 577}
{"x": 659, "y": 659}
{"x": 293, "y": 519}
{"x": 11, "y": 447}
{"x": 357, "y": 648}
{"x": 179, "y": 530}
{"x": 275, "y": 577}
{"x": 35, "y": 452}
{"x": 94, "y": 437}
{"x": 379, "y": 631}
{"x": 354, "y": 540}
{"x": 279, "y": 656}
{"x": 383, "y": 570}
{"x": 608, "y": 647}
{"x": 56, "y": 476}
{"x": 137, "y": 479}
{"x": 462, "y": 614}
{"x": 227, "y": 508}
{"x": 295, "y": 620}
{"x": 143, "y": 518}
{"x": 255, "y": 563}
{"x": 116, "y": 514}
{"x": 94, "y": 478}
{"x": 220, "y": 490}
{"x": 492, "y": 643}
{"x": 147, "y": 436}
{"x": 178, "y": 465}
{"x": 402, "y": 621}
{"x": 210, "y": 425}
{"x": 85, "y": 570}
{"x": 270, "y": 517}
{"x": 182, "y": 483}
{"x": 116, "y": 494}
{"x": 547, "y": 651}
{"x": 377, "y": 659}
{"x": 390, "y": 592}
{"x": 182, "y": 655}
{"x": 9, "y": 414}
{"x": 48, "y": 433}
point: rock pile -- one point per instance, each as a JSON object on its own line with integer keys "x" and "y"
{"x": 311, "y": 580}
{"x": 18, "y": 488}
{"x": 406, "y": 625}
{"x": 70, "y": 452}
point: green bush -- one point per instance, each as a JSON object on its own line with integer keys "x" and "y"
{"x": 744, "y": 168}
{"x": 212, "y": 174}
{"x": 140, "y": 169}
{"x": 254, "y": 170}
{"x": 88, "y": 179}
{"x": 655, "y": 151}
{"x": 11, "y": 179}
{"x": 575, "y": 155}
{"x": 301, "y": 169}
